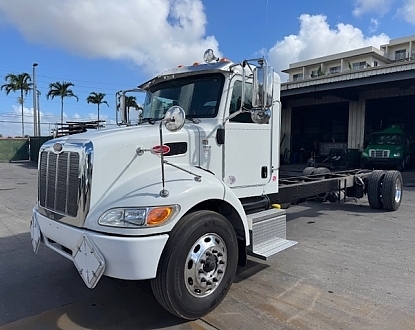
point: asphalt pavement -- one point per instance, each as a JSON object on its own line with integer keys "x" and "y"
{"x": 353, "y": 268}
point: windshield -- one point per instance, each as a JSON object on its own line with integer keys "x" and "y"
{"x": 198, "y": 95}
{"x": 394, "y": 139}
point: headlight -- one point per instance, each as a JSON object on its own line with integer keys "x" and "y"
{"x": 397, "y": 154}
{"x": 365, "y": 154}
{"x": 138, "y": 217}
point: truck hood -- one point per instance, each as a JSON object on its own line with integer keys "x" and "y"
{"x": 390, "y": 147}
{"x": 115, "y": 160}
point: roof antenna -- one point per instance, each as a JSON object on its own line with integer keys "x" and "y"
{"x": 264, "y": 49}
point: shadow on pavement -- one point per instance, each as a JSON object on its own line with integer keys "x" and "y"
{"x": 44, "y": 291}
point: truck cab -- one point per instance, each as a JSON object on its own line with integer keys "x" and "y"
{"x": 177, "y": 194}
{"x": 390, "y": 148}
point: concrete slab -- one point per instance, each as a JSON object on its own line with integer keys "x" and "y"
{"x": 353, "y": 268}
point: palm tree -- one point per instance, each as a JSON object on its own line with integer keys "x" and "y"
{"x": 97, "y": 98}
{"x": 18, "y": 82}
{"x": 131, "y": 102}
{"x": 61, "y": 89}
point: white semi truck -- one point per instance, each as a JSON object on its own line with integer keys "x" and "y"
{"x": 183, "y": 195}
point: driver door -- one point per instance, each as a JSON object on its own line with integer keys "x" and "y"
{"x": 247, "y": 148}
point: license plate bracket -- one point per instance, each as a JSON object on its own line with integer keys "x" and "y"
{"x": 89, "y": 261}
{"x": 35, "y": 234}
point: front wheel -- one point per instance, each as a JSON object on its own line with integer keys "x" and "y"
{"x": 198, "y": 265}
{"x": 402, "y": 166}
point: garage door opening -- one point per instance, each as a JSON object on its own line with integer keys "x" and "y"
{"x": 385, "y": 112}
{"x": 317, "y": 128}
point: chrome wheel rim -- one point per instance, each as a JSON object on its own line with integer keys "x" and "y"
{"x": 398, "y": 190}
{"x": 205, "y": 265}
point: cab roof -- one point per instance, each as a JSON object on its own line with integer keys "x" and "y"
{"x": 191, "y": 69}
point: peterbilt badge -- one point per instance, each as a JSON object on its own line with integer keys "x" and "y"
{"x": 57, "y": 147}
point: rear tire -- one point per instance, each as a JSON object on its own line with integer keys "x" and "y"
{"x": 322, "y": 170}
{"x": 197, "y": 266}
{"x": 308, "y": 171}
{"x": 392, "y": 190}
{"x": 374, "y": 189}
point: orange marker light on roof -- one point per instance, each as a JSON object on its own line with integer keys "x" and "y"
{"x": 196, "y": 63}
{"x": 224, "y": 60}
{"x": 180, "y": 66}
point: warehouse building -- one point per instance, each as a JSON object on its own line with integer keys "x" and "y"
{"x": 336, "y": 101}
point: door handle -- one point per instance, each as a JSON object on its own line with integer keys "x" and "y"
{"x": 264, "y": 172}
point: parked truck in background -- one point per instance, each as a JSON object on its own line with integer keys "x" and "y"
{"x": 390, "y": 148}
{"x": 186, "y": 193}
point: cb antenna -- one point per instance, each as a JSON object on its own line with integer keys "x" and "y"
{"x": 264, "y": 49}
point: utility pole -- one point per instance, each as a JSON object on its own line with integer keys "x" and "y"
{"x": 35, "y": 127}
{"x": 38, "y": 114}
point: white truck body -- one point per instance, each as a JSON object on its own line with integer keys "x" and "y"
{"x": 111, "y": 204}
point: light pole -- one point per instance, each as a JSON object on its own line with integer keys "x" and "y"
{"x": 35, "y": 127}
{"x": 38, "y": 114}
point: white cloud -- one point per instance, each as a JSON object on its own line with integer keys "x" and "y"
{"x": 380, "y": 7}
{"x": 11, "y": 121}
{"x": 374, "y": 25}
{"x": 316, "y": 39}
{"x": 156, "y": 34}
{"x": 407, "y": 11}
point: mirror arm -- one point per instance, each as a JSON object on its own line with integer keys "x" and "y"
{"x": 197, "y": 178}
{"x": 233, "y": 115}
{"x": 163, "y": 192}
{"x": 117, "y": 108}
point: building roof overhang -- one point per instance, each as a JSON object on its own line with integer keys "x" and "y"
{"x": 348, "y": 85}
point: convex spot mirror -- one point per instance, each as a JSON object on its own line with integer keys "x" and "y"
{"x": 260, "y": 116}
{"x": 263, "y": 87}
{"x": 174, "y": 118}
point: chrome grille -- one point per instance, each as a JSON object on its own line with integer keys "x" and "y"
{"x": 59, "y": 182}
{"x": 378, "y": 153}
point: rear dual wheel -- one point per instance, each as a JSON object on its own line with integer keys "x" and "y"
{"x": 198, "y": 265}
{"x": 374, "y": 189}
{"x": 385, "y": 190}
{"x": 392, "y": 190}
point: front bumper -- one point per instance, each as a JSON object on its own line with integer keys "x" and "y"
{"x": 382, "y": 161}
{"x": 95, "y": 254}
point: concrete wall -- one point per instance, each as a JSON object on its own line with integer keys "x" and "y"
{"x": 285, "y": 131}
{"x": 14, "y": 149}
{"x": 35, "y": 144}
{"x": 356, "y": 132}
{"x": 21, "y": 149}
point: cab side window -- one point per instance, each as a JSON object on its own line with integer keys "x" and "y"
{"x": 244, "y": 117}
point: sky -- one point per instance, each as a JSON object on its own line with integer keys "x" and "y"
{"x": 107, "y": 45}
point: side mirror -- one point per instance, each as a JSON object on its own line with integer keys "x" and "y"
{"x": 123, "y": 109}
{"x": 263, "y": 87}
{"x": 174, "y": 118}
{"x": 260, "y": 116}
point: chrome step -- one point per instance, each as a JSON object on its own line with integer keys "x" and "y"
{"x": 268, "y": 234}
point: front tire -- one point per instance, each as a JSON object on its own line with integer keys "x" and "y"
{"x": 402, "y": 166}
{"x": 198, "y": 265}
